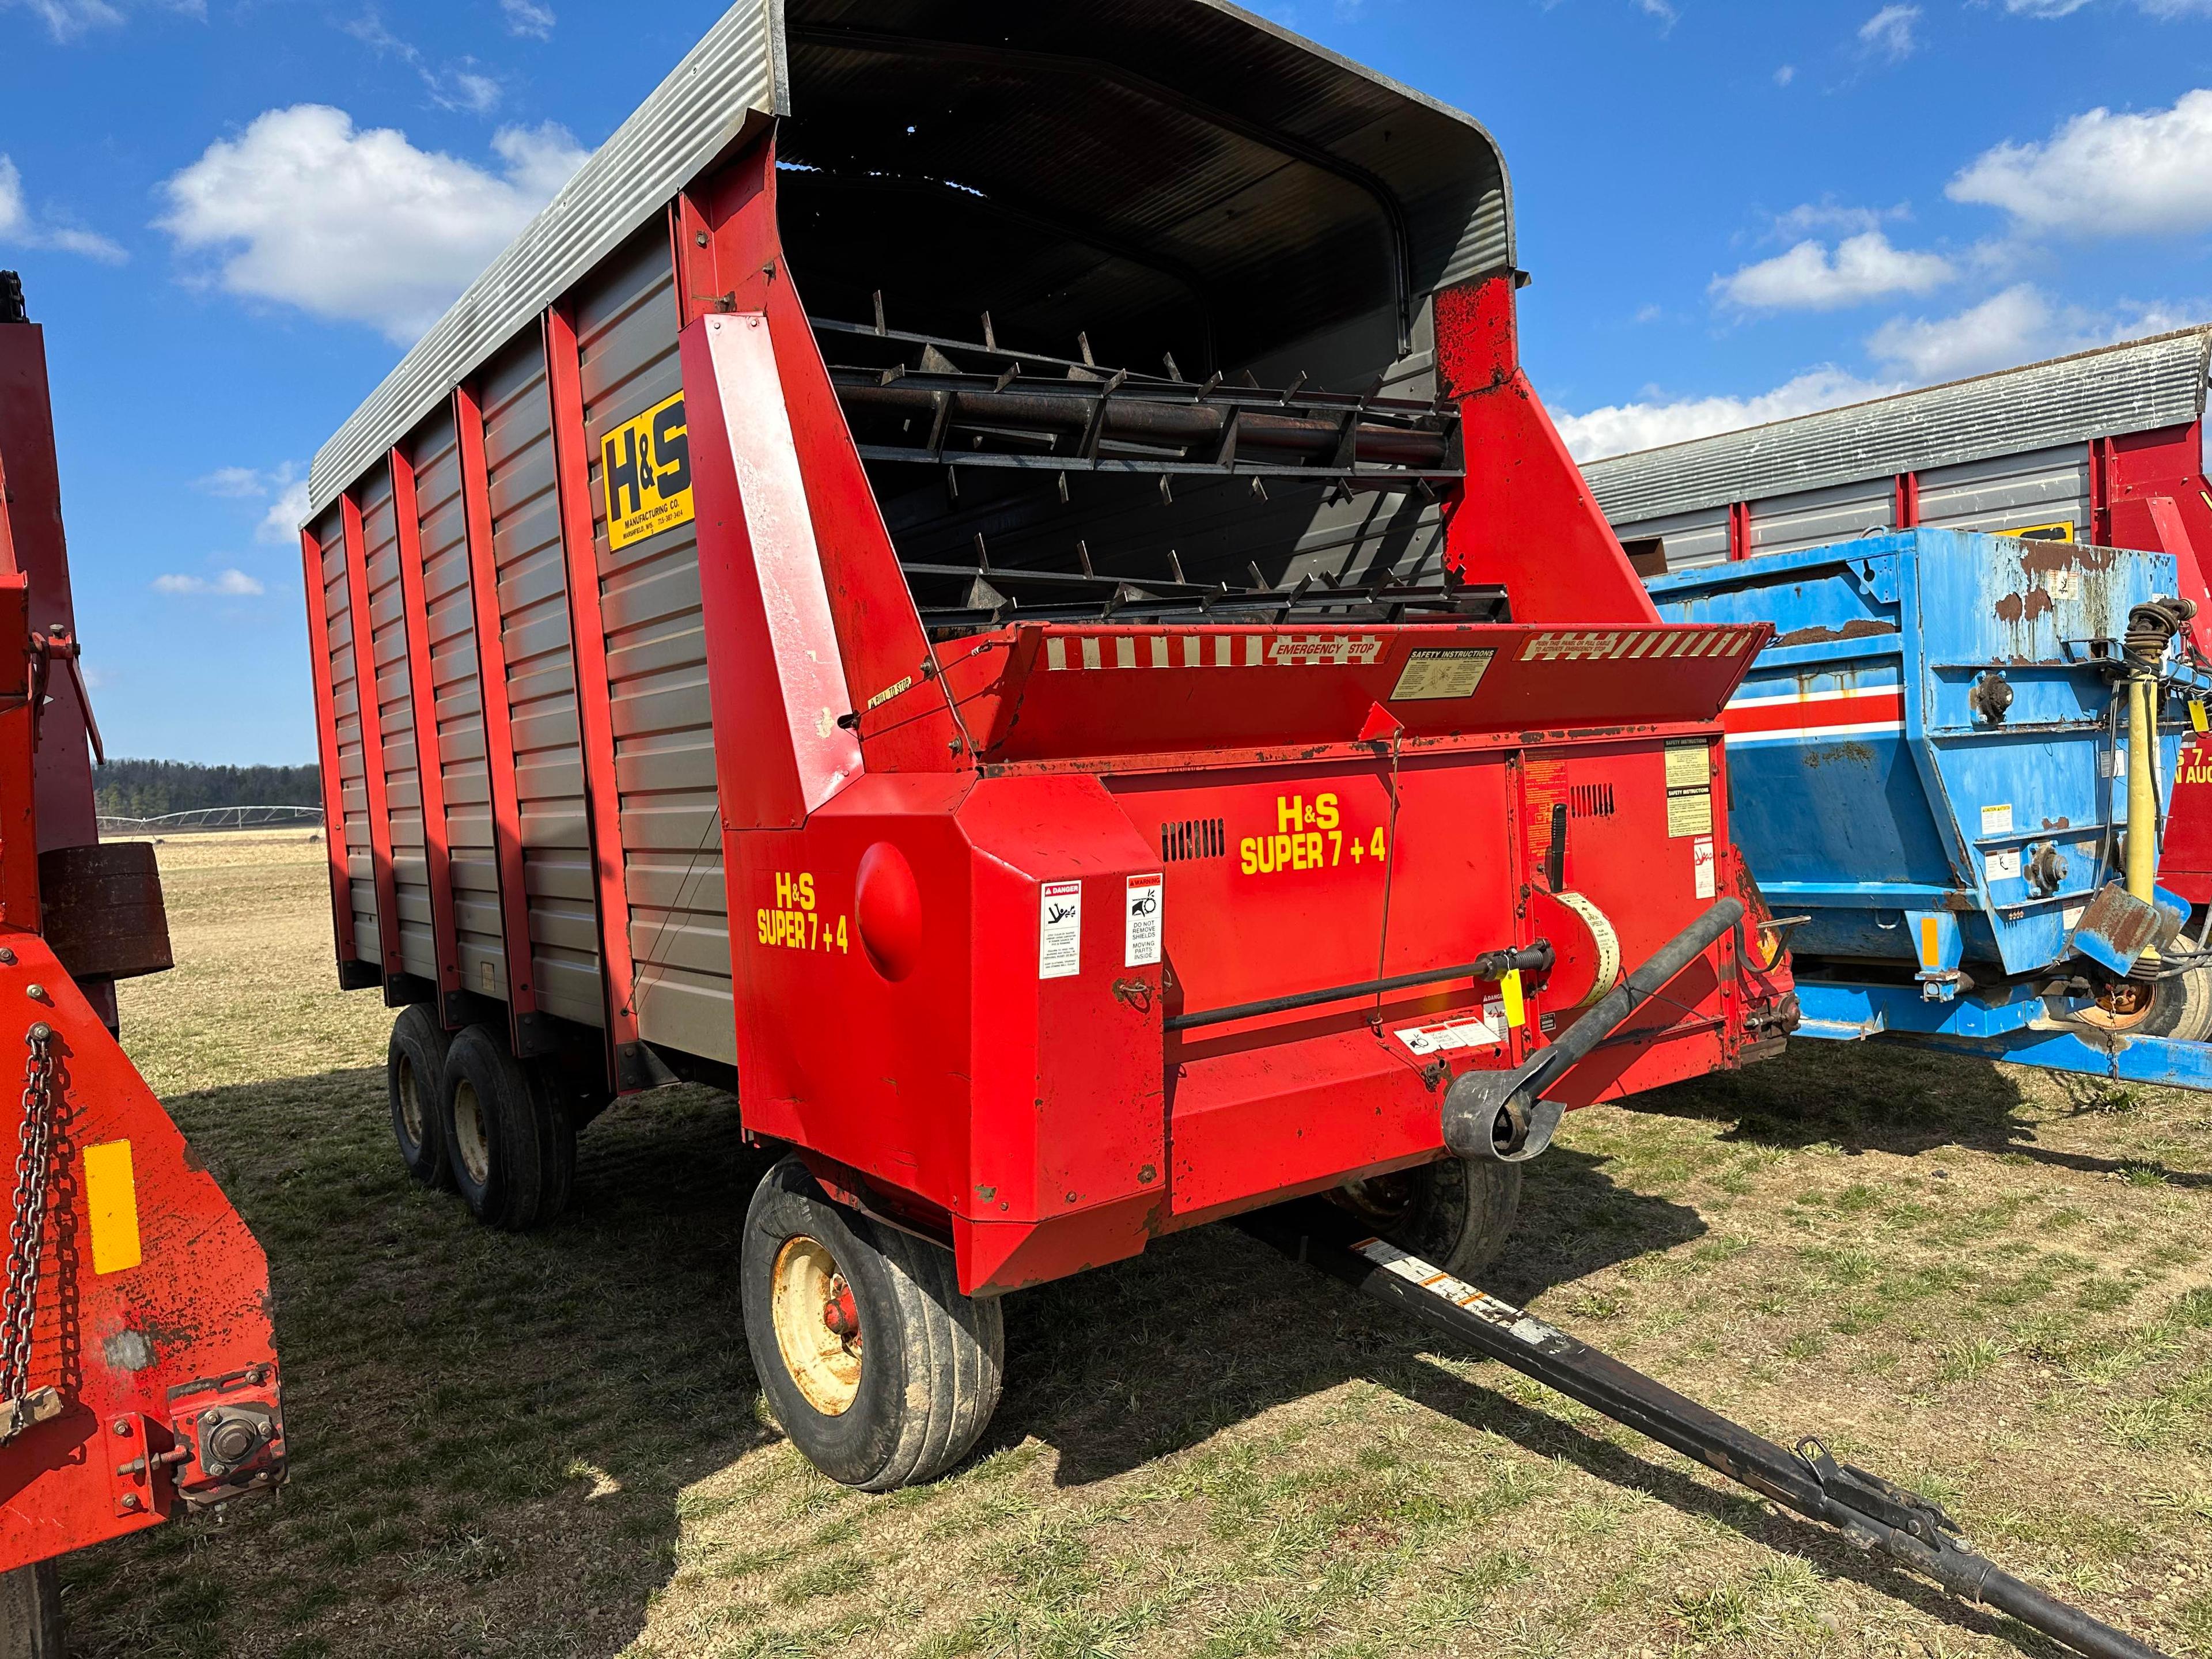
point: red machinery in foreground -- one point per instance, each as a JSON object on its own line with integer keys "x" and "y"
{"x": 137, "y": 1374}
{"x": 1113, "y": 710}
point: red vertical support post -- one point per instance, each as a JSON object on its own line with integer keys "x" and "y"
{"x": 1904, "y": 508}
{"x": 498, "y": 720}
{"x": 371, "y": 738}
{"x": 594, "y": 711}
{"x": 326, "y": 747}
{"x": 2101, "y": 492}
{"x": 1739, "y": 530}
{"x": 429, "y": 770}
{"x": 19, "y": 794}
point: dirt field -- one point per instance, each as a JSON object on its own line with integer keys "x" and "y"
{"x": 1970, "y": 1279}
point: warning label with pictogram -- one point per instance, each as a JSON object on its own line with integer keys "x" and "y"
{"x": 646, "y": 465}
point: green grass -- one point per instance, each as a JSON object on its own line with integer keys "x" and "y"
{"x": 554, "y": 1444}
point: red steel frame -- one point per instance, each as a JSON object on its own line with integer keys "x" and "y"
{"x": 423, "y": 698}
{"x": 148, "y": 1332}
{"x": 1041, "y": 1121}
{"x": 326, "y": 745}
{"x": 587, "y": 642}
{"x": 370, "y": 702}
{"x": 495, "y": 695}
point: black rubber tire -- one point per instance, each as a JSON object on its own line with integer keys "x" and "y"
{"x": 1455, "y": 1212}
{"x": 517, "y": 1133}
{"x": 932, "y": 1360}
{"x": 414, "y": 1079}
{"x": 2181, "y": 1008}
{"x": 31, "y": 1612}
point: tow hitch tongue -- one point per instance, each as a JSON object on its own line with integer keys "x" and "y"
{"x": 1501, "y": 1114}
{"x": 1869, "y": 1511}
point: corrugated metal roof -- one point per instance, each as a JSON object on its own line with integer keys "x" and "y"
{"x": 1440, "y": 169}
{"x": 2136, "y": 386}
{"x": 734, "y": 73}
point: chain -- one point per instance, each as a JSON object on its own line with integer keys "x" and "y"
{"x": 27, "y": 1228}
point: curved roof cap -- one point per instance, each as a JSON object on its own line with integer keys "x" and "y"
{"x": 2139, "y": 385}
{"x": 1221, "y": 146}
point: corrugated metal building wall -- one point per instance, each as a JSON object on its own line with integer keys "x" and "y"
{"x": 2001, "y": 452}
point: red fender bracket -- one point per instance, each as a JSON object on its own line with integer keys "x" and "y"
{"x": 152, "y": 1317}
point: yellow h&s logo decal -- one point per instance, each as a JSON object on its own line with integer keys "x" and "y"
{"x": 646, "y": 466}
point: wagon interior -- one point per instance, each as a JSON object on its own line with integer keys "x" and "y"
{"x": 1123, "y": 334}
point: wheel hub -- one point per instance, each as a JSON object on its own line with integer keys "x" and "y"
{"x": 410, "y": 1103}
{"x": 470, "y": 1138}
{"x": 817, "y": 1324}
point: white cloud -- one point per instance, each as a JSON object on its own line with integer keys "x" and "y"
{"x": 283, "y": 486}
{"x": 67, "y": 20}
{"x": 228, "y": 583}
{"x": 281, "y": 522}
{"x": 2161, "y": 9}
{"x": 528, "y": 17}
{"x": 1889, "y": 32}
{"x": 2102, "y": 174}
{"x": 1829, "y": 214}
{"x": 358, "y": 225}
{"x": 2019, "y": 325}
{"x": 237, "y": 483}
{"x": 1618, "y": 429}
{"x": 1808, "y": 278}
{"x": 20, "y": 227}
{"x": 1659, "y": 9}
{"x": 1785, "y": 75}
{"x": 456, "y": 85}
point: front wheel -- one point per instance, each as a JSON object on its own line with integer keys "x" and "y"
{"x": 880, "y": 1372}
{"x": 1455, "y": 1212}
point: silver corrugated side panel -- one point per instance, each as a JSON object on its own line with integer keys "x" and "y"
{"x": 2138, "y": 387}
{"x": 2011, "y": 492}
{"x": 352, "y": 827}
{"x": 1689, "y": 539}
{"x": 393, "y": 677}
{"x": 1814, "y": 518}
{"x": 733, "y": 75}
{"x": 541, "y": 685}
{"x": 656, "y": 647}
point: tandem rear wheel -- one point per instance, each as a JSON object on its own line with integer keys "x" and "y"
{"x": 1456, "y": 1212}
{"x": 879, "y": 1369}
{"x": 467, "y": 1115}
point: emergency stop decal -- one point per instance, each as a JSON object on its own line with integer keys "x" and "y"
{"x": 646, "y": 466}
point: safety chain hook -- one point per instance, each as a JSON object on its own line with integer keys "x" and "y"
{"x": 18, "y": 1406}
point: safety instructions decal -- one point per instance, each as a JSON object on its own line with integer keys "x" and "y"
{"x": 646, "y": 466}
{"x": 1430, "y": 675}
{"x": 1141, "y": 934}
{"x": 1689, "y": 789}
{"x": 1059, "y": 931}
{"x": 1998, "y": 820}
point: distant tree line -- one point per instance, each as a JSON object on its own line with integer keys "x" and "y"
{"x": 152, "y": 788}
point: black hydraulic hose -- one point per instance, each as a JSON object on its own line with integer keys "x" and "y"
{"x": 1490, "y": 965}
{"x": 1903, "y": 1525}
{"x": 1502, "y": 1114}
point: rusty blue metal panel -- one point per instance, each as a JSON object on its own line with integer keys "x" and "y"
{"x": 1930, "y": 733}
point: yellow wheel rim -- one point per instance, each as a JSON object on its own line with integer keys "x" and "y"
{"x": 470, "y": 1138}
{"x": 818, "y": 1328}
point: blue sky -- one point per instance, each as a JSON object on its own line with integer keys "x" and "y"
{"x": 231, "y": 217}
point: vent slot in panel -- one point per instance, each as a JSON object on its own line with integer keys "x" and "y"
{"x": 1590, "y": 800}
{"x": 1193, "y": 838}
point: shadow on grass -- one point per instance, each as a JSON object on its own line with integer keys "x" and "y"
{"x": 488, "y": 1430}
{"x": 1897, "y": 1098}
